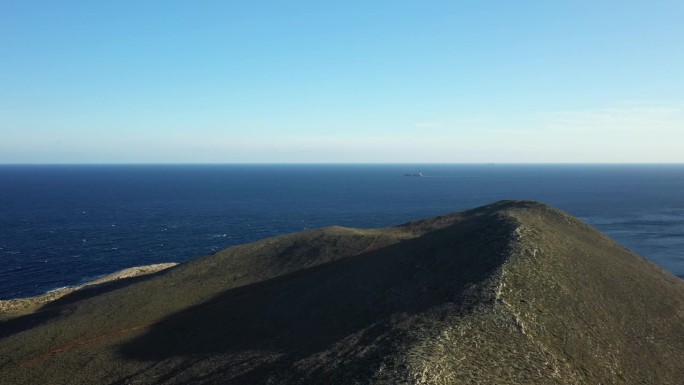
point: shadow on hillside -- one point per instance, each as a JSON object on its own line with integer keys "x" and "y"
{"x": 295, "y": 316}
{"x": 64, "y": 304}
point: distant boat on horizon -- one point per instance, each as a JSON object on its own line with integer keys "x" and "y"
{"x": 416, "y": 174}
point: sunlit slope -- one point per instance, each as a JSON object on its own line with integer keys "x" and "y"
{"x": 514, "y": 292}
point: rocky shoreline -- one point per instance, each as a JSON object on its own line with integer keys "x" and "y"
{"x": 13, "y": 307}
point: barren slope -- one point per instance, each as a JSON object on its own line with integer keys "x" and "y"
{"x": 514, "y": 292}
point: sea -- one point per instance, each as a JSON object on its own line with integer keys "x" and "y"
{"x": 62, "y": 225}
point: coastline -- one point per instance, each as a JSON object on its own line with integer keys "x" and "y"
{"x": 11, "y": 308}
{"x": 264, "y": 197}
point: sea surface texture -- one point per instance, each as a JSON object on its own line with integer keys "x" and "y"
{"x": 63, "y": 225}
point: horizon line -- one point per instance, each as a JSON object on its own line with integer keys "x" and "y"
{"x": 320, "y": 163}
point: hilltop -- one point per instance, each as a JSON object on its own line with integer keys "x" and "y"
{"x": 513, "y": 292}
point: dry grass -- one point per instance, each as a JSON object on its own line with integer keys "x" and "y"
{"x": 511, "y": 293}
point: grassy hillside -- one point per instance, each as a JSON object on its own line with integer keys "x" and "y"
{"x": 514, "y": 292}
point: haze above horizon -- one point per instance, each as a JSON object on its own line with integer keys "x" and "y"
{"x": 348, "y": 82}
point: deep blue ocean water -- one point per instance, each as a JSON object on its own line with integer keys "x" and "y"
{"x": 62, "y": 225}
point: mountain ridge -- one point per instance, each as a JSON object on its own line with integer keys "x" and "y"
{"x": 513, "y": 292}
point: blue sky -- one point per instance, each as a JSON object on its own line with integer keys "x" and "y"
{"x": 351, "y": 81}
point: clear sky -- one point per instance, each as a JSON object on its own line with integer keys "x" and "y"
{"x": 344, "y": 81}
